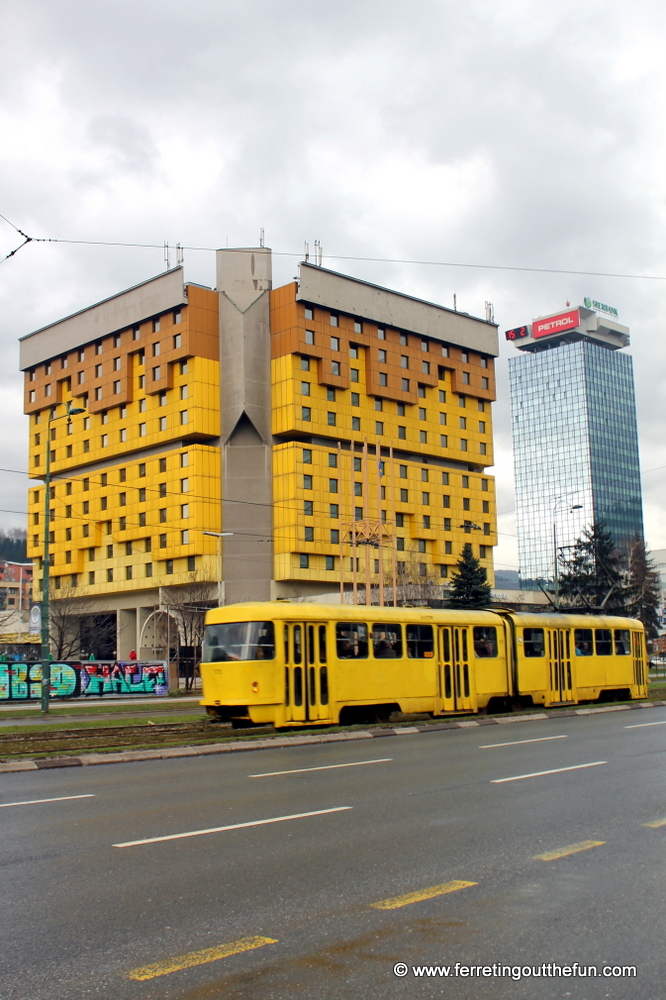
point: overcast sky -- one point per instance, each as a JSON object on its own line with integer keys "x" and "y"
{"x": 527, "y": 133}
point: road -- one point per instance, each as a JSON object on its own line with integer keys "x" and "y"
{"x": 412, "y": 849}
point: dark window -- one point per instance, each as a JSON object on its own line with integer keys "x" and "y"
{"x": 239, "y": 641}
{"x": 604, "y": 641}
{"x": 583, "y": 641}
{"x": 622, "y": 642}
{"x": 387, "y": 641}
{"x": 485, "y": 640}
{"x": 420, "y": 643}
{"x": 533, "y": 642}
{"x": 351, "y": 640}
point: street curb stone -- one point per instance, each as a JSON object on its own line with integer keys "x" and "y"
{"x": 130, "y": 756}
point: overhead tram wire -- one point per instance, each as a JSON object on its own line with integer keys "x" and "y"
{"x": 332, "y": 256}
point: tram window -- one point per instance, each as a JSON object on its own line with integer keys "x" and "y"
{"x": 286, "y": 645}
{"x": 239, "y": 641}
{"x": 286, "y": 685}
{"x": 297, "y": 647}
{"x": 533, "y": 643}
{"x": 311, "y": 643}
{"x": 420, "y": 641}
{"x": 352, "y": 640}
{"x": 446, "y": 647}
{"x": 583, "y": 641}
{"x": 322, "y": 644}
{"x": 603, "y": 641}
{"x": 447, "y": 681}
{"x": 323, "y": 685}
{"x": 387, "y": 641}
{"x": 485, "y": 640}
{"x": 622, "y": 642}
{"x": 298, "y": 686}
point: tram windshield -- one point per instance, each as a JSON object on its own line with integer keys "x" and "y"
{"x": 239, "y": 641}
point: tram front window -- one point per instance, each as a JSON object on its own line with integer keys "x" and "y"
{"x": 239, "y": 641}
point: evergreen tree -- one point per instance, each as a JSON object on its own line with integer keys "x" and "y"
{"x": 469, "y": 585}
{"x": 594, "y": 575}
{"x": 12, "y": 545}
{"x": 643, "y": 587}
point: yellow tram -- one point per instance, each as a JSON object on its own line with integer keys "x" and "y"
{"x": 304, "y": 664}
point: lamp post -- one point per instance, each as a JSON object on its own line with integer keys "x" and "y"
{"x": 219, "y": 535}
{"x": 556, "y": 580}
{"x": 46, "y": 556}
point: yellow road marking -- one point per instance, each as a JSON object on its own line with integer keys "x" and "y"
{"x": 562, "y": 852}
{"x": 416, "y": 897}
{"x": 199, "y": 957}
{"x": 655, "y": 823}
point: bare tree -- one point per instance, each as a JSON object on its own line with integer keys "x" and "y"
{"x": 187, "y": 604}
{"x": 73, "y": 620}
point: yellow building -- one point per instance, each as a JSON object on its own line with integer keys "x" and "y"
{"x": 299, "y": 420}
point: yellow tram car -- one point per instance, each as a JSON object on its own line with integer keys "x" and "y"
{"x": 318, "y": 664}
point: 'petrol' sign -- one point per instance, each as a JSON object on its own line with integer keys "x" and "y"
{"x": 556, "y": 324}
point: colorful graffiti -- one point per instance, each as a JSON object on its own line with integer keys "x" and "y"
{"x": 23, "y": 681}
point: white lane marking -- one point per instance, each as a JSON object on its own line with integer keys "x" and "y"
{"x": 324, "y": 767}
{"x": 642, "y": 725}
{"x": 35, "y": 802}
{"x": 515, "y": 743}
{"x": 233, "y": 826}
{"x": 555, "y": 770}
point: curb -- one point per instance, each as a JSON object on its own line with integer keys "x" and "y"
{"x": 296, "y": 741}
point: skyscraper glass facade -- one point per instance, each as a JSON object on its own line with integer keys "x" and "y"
{"x": 575, "y": 446}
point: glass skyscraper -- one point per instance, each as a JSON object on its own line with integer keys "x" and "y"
{"x": 575, "y": 438}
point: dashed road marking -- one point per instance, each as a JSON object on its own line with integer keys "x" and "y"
{"x": 656, "y": 823}
{"x": 563, "y": 852}
{"x": 199, "y": 957}
{"x": 642, "y": 725}
{"x": 515, "y": 743}
{"x": 36, "y": 802}
{"x": 323, "y": 767}
{"x": 232, "y": 826}
{"x": 416, "y": 897}
{"x": 554, "y": 770}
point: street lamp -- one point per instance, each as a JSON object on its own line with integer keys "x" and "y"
{"x": 556, "y": 580}
{"x": 219, "y": 535}
{"x": 46, "y": 556}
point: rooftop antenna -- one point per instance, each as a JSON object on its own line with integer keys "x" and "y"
{"x": 306, "y": 248}
{"x": 318, "y": 253}
{"x": 261, "y": 237}
{"x": 455, "y": 302}
{"x": 180, "y": 254}
{"x": 490, "y": 312}
{"x": 166, "y": 255}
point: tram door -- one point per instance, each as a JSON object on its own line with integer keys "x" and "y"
{"x": 306, "y": 672}
{"x": 461, "y": 670}
{"x": 639, "y": 661}
{"x": 559, "y": 662}
{"x": 446, "y": 698}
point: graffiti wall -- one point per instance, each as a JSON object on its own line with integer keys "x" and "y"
{"x": 23, "y": 681}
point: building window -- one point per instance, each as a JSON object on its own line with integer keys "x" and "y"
{"x": 358, "y": 465}
{"x": 116, "y": 388}
{"x": 423, "y": 437}
{"x": 128, "y": 572}
{"x": 358, "y": 489}
{"x": 400, "y": 544}
{"x": 334, "y": 320}
{"x": 465, "y": 482}
{"x": 105, "y": 440}
{"x": 304, "y": 560}
{"x": 426, "y": 520}
{"x": 142, "y": 431}
{"x": 168, "y": 568}
{"x": 149, "y": 569}
{"x": 184, "y": 416}
{"x": 425, "y": 499}
{"x": 484, "y": 485}
{"x": 381, "y": 333}
{"x": 185, "y": 537}
{"x": 309, "y": 312}
{"x": 447, "y": 524}
{"x": 142, "y": 519}
{"x": 123, "y": 434}
{"x": 116, "y": 364}
{"x": 142, "y": 495}
{"x": 184, "y": 510}
{"x": 383, "y": 378}
{"x": 91, "y": 578}
{"x": 183, "y": 367}
{"x": 356, "y": 423}
{"x": 184, "y": 485}
{"x": 425, "y": 367}
{"x": 486, "y": 529}
{"x": 306, "y": 413}
{"x": 307, "y": 508}
{"x": 157, "y": 350}
{"x": 332, "y": 486}
{"x": 163, "y": 399}
{"x": 379, "y": 427}
{"x": 403, "y": 339}
{"x": 177, "y": 340}
{"x": 184, "y": 392}
{"x": 466, "y": 503}
{"x": 335, "y": 367}
{"x": 163, "y": 541}
{"x": 307, "y": 456}
{"x": 184, "y": 459}
{"x": 485, "y": 506}
{"x": 307, "y": 482}
{"x": 405, "y": 385}
{"x": 123, "y": 499}
{"x": 448, "y": 548}
{"x": 109, "y": 576}
{"x": 163, "y": 423}
{"x": 305, "y": 388}
{"x": 142, "y": 469}
{"x": 353, "y": 350}
{"x": 446, "y": 500}
{"x": 98, "y": 368}
{"x": 335, "y": 343}
{"x": 333, "y": 511}
{"x": 402, "y": 433}
{"x": 381, "y": 354}
{"x": 404, "y": 361}
{"x": 141, "y": 382}
{"x": 163, "y": 489}
{"x": 463, "y": 444}
{"x": 191, "y": 564}
{"x": 482, "y": 448}
{"x": 462, "y": 401}
{"x": 404, "y": 496}
{"x": 122, "y": 523}
{"x": 335, "y": 536}
{"x": 332, "y": 460}
{"x": 330, "y": 562}
{"x": 482, "y": 551}
{"x": 353, "y": 374}
{"x": 355, "y": 399}
{"x": 330, "y": 395}
{"x": 330, "y": 419}
{"x": 465, "y": 378}
{"x": 464, "y": 357}
{"x": 443, "y": 441}
{"x": 309, "y": 337}
{"x": 157, "y": 373}
{"x": 308, "y": 534}
{"x": 422, "y": 413}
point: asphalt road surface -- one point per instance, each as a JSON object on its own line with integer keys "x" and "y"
{"x": 317, "y": 871}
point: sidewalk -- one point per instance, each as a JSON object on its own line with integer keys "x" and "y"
{"x": 57, "y": 704}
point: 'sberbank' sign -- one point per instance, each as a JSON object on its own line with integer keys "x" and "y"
{"x": 600, "y": 307}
